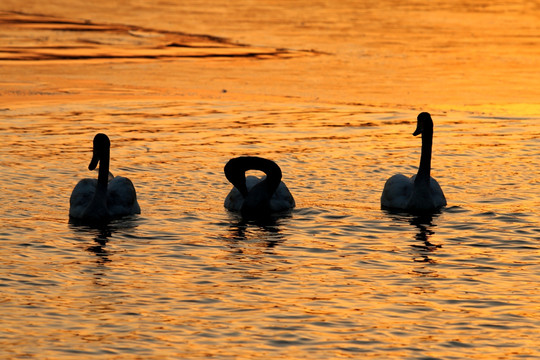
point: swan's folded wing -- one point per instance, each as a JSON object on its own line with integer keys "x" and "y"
{"x": 397, "y": 192}
{"x": 234, "y": 200}
{"x": 437, "y": 194}
{"x": 81, "y": 197}
{"x": 282, "y": 199}
{"x": 122, "y": 197}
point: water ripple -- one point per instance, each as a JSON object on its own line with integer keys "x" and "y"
{"x": 337, "y": 277}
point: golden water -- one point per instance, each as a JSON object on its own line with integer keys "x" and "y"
{"x": 330, "y": 92}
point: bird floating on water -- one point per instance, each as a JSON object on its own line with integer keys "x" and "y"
{"x": 256, "y": 197}
{"x": 107, "y": 197}
{"x": 421, "y": 192}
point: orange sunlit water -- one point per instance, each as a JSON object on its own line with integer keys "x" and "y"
{"x": 330, "y": 92}
{"x": 454, "y": 54}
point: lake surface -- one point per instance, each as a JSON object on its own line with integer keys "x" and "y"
{"x": 336, "y": 278}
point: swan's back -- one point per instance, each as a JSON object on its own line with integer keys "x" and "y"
{"x": 122, "y": 197}
{"x": 234, "y": 199}
{"x": 397, "y": 192}
{"x": 281, "y": 200}
{"x": 81, "y": 197}
{"x": 427, "y": 198}
{"x": 401, "y": 193}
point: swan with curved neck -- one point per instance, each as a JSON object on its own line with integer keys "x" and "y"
{"x": 252, "y": 196}
{"x": 421, "y": 192}
{"x": 108, "y": 196}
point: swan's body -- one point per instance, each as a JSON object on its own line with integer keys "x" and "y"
{"x": 400, "y": 193}
{"x": 253, "y": 196}
{"x": 108, "y": 196}
{"x": 421, "y": 192}
{"x": 281, "y": 200}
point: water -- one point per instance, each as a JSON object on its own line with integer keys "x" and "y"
{"x": 338, "y": 278}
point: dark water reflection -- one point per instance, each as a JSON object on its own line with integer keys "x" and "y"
{"x": 99, "y": 249}
{"x": 425, "y": 225}
{"x": 102, "y": 234}
{"x": 254, "y": 238}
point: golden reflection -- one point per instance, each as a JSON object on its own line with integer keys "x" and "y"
{"x": 73, "y": 39}
{"x": 468, "y": 63}
{"x": 319, "y": 284}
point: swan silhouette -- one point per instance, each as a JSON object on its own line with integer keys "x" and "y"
{"x": 421, "y": 192}
{"x": 256, "y": 197}
{"x": 108, "y": 196}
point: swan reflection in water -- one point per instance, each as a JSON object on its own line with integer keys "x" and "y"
{"x": 425, "y": 230}
{"x": 259, "y": 236}
{"x": 424, "y": 247}
{"x": 101, "y": 235}
{"x": 99, "y": 249}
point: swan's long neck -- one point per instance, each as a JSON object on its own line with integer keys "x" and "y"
{"x": 235, "y": 171}
{"x": 272, "y": 171}
{"x": 103, "y": 175}
{"x": 424, "y": 170}
{"x": 97, "y": 209}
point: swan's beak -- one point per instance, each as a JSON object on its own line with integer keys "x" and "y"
{"x": 418, "y": 129}
{"x": 94, "y": 162}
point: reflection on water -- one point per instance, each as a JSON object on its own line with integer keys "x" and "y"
{"x": 424, "y": 246}
{"x": 425, "y": 229}
{"x": 65, "y": 39}
{"x": 102, "y": 233}
{"x": 253, "y": 239}
{"x": 99, "y": 249}
{"x": 337, "y": 277}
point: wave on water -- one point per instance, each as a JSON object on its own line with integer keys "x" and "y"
{"x": 39, "y": 37}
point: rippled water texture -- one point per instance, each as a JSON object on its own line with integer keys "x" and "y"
{"x": 337, "y": 278}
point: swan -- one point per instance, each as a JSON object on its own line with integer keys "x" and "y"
{"x": 252, "y": 196}
{"x": 421, "y": 192}
{"x": 108, "y": 196}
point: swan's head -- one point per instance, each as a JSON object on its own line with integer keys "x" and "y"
{"x": 424, "y": 123}
{"x": 102, "y": 144}
{"x": 236, "y": 175}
